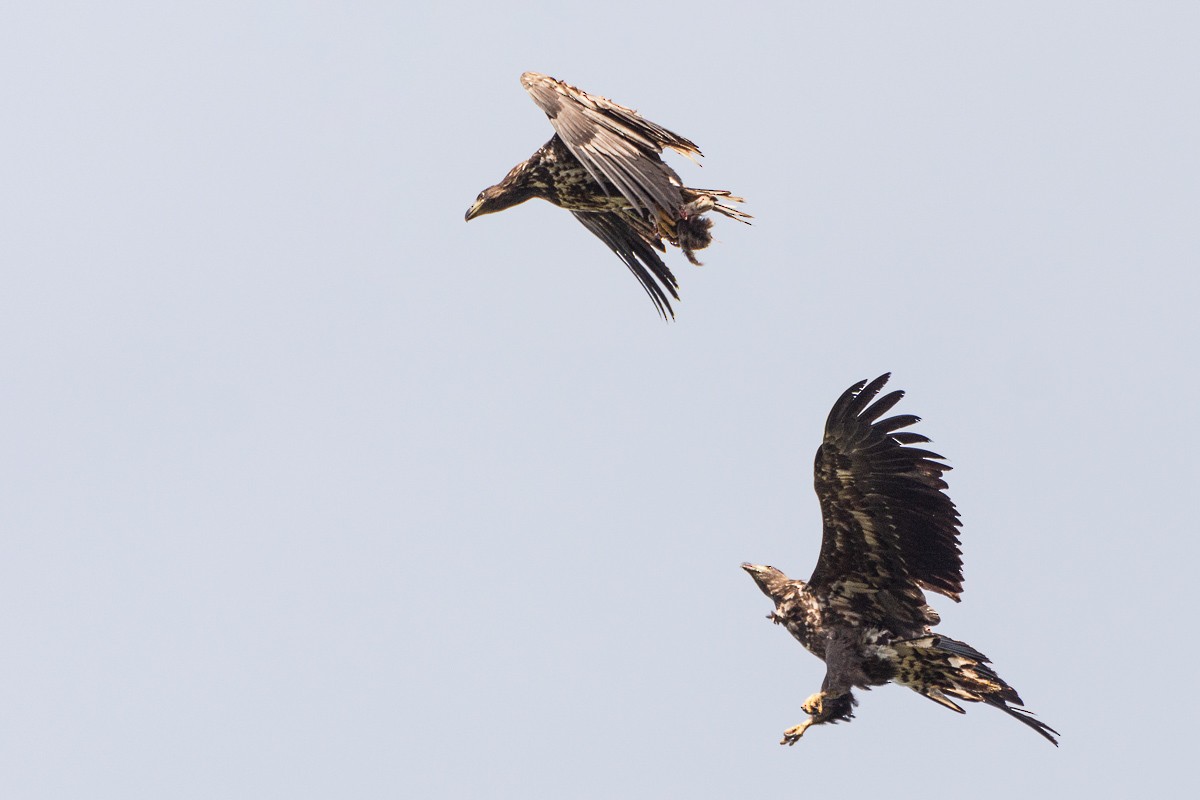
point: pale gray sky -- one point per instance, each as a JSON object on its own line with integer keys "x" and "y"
{"x": 309, "y": 489}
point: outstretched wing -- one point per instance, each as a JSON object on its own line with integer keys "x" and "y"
{"x": 889, "y": 527}
{"x": 616, "y": 146}
{"x": 619, "y": 232}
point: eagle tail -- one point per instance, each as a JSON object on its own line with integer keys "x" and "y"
{"x": 698, "y": 201}
{"x": 941, "y": 668}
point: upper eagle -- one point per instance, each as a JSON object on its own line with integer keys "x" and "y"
{"x": 603, "y": 165}
{"x": 890, "y": 533}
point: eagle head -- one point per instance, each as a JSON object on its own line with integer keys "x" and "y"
{"x": 489, "y": 201}
{"x": 772, "y": 582}
{"x": 516, "y": 188}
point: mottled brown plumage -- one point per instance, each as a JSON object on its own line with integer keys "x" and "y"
{"x": 890, "y": 532}
{"x": 603, "y": 165}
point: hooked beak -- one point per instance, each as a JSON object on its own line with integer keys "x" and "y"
{"x": 762, "y": 577}
{"x": 473, "y": 211}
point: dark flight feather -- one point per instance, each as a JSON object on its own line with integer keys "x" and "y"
{"x": 616, "y": 231}
{"x": 886, "y": 521}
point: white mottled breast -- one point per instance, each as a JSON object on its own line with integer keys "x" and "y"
{"x": 800, "y": 613}
{"x": 588, "y": 197}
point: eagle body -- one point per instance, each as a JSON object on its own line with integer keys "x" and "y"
{"x": 890, "y": 534}
{"x": 604, "y": 165}
{"x": 864, "y": 652}
{"x": 554, "y": 175}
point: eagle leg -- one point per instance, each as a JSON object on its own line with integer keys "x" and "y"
{"x": 793, "y": 734}
{"x": 821, "y": 707}
{"x": 698, "y": 206}
{"x": 812, "y": 706}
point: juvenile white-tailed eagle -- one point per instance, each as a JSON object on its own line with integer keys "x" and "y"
{"x": 603, "y": 165}
{"x": 890, "y": 532}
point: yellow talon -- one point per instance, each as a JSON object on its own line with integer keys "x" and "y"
{"x": 793, "y": 734}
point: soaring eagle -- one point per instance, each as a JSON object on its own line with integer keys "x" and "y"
{"x": 890, "y": 532}
{"x": 603, "y": 165}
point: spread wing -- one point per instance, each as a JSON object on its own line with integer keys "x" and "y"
{"x": 619, "y": 231}
{"x": 889, "y": 527}
{"x": 615, "y": 145}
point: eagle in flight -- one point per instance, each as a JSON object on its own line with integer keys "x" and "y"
{"x": 603, "y": 165}
{"x": 890, "y": 533}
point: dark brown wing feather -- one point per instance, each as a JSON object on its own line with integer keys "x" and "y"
{"x": 888, "y": 522}
{"x": 615, "y": 145}
{"x": 619, "y": 232}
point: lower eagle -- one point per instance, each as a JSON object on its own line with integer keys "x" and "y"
{"x": 890, "y": 533}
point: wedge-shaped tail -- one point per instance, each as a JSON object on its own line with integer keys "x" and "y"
{"x": 942, "y": 668}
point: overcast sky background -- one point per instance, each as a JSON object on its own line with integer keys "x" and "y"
{"x": 309, "y": 489}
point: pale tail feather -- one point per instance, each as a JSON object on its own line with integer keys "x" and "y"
{"x": 939, "y": 668}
